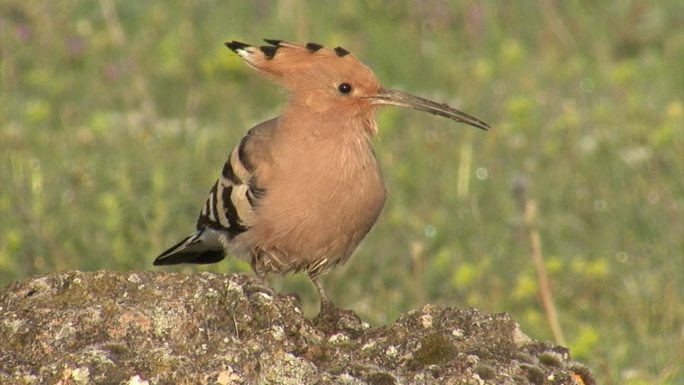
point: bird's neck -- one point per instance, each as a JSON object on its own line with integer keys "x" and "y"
{"x": 342, "y": 142}
{"x": 328, "y": 123}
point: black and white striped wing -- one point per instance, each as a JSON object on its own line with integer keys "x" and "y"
{"x": 227, "y": 212}
{"x": 231, "y": 200}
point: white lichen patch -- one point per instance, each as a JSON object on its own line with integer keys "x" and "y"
{"x": 137, "y": 380}
{"x": 286, "y": 369}
{"x": 265, "y": 296}
{"x": 40, "y": 286}
{"x": 65, "y": 331}
{"x": 81, "y": 375}
{"x": 99, "y": 355}
{"x": 426, "y": 320}
{"x": 163, "y": 321}
{"x": 134, "y": 278}
{"x": 368, "y": 345}
{"x": 232, "y": 286}
{"x": 228, "y": 377}
{"x": 347, "y": 379}
{"x": 211, "y": 293}
{"x": 337, "y": 338}
{"x": 278, "y": 332}
{"x": 520, "y": 338}
{"x": 478, "y": 380}
{"x": 472, "y": 359}
{"x": 13, "y": 325}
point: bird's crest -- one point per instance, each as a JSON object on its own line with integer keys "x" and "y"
{"x": 301, "y": 66}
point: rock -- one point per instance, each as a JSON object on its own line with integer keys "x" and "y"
{"x": 170, "y": 328}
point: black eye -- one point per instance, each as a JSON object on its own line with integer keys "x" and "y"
{"x": 344, "y": 88}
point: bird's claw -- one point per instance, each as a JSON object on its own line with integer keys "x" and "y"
{"x": 332, "y": 320}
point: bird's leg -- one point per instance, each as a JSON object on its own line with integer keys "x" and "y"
{"x": 332, "y": 319}
{"x": 263, "y": 286}
{"x": 326, "y": 302}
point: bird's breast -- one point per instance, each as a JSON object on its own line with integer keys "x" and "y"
{"x": 320, "y": 203}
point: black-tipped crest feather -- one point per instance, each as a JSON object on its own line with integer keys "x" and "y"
{"x": 274, "y": 42}
{"x": 313, "y": 47}
{"x": 341, "y": 52}
{"x": 269, "y": 51}
{"x": 236, "y": 45}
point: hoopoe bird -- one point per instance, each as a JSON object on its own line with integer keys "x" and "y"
{"x": 300, "y": 191}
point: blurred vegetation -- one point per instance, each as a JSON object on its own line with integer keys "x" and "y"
{"x": 116, "y": 118}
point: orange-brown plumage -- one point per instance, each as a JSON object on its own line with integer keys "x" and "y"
{"x": 302, "y": 190}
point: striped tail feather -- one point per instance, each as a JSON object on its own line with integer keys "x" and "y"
{"x": 201, "y": 247}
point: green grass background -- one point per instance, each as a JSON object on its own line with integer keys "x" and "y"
{"x": 116, "y": 118}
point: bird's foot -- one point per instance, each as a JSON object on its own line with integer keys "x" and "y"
{"x": 260, "y": 285}
{"x": 333, "y": 320}
{"x": 264, "y": 287}
{"x": 294, "y": 299}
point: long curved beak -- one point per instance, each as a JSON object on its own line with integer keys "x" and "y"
{"x": 390, "y": 97}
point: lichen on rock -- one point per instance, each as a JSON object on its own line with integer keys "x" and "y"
{"x": 162, "y": 328}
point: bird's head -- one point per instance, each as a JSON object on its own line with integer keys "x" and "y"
{"x": 334, "y": 81}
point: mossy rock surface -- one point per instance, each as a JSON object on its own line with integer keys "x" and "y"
{"x": 171, "y": 328}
